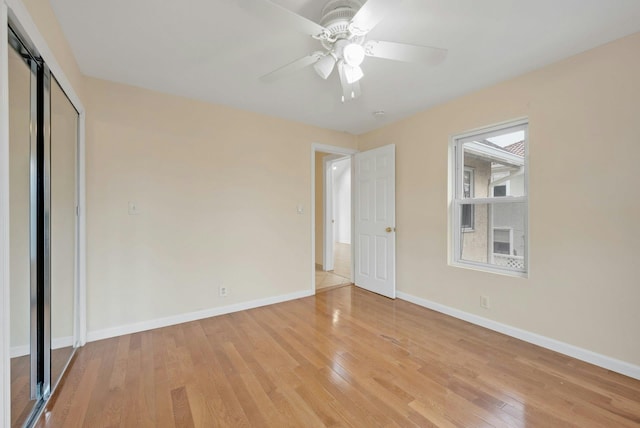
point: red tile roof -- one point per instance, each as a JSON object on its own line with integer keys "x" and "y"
{"x": 516, "y": 148}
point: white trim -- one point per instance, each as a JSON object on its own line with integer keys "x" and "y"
{"x": 5, "y": 361}
{"x": 485, "y": 132}
{"x": 493, "y": 200}
{"x": 192, "y": 316}
{"x": 337, "y": 150}
{"x": 576, "y": 352}
{"x": 80, "y": 332}
{"x": 317, "y": 147}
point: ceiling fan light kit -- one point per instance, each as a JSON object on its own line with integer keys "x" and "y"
{"x": 325, "y": 65}
{"x": 342, "y": 32}
{"x": 352, "y": 74}
{"x": 353, "y": 54}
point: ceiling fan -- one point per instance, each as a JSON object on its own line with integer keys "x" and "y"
{"x": 342, "y": 31}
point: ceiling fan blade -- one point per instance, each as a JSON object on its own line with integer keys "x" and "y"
{"x": 405, "y": 52}
{"x": 281, "y": 16}
{"x": 350, "y": 91}
{"x": 292, "y": 67}
{"x": 370, "y": 14}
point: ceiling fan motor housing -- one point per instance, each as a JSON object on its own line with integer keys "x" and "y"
{"x": 336, "y": 15}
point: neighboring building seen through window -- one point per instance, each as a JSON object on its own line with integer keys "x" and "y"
{"x": 490, "y": 201}
{"x": 500, "y": 190}
{"x": 467, "y": 210}
{"x": 502, "y": 241}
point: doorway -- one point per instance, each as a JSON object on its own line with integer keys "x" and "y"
{"x": 372, "y": 258}
{"x": 333, "y": 231}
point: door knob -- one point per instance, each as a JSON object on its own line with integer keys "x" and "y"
{"x": 390, "y": 229}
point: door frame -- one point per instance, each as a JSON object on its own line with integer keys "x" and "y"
{"x": 342, "y": 152}
{"x": 15, "y": 12}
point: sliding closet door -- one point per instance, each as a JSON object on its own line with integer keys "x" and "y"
{"x": 22, "y": 234}
{"x": 43, "y": 186}
{"x": 64, "y": 143}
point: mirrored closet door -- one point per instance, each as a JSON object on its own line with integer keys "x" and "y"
{"x": 43, "y": 187}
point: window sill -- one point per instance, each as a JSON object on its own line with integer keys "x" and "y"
{"x": 479, "y": 267}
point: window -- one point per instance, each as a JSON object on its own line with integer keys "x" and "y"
{"x": 490, "y": 199}
{"x": 500, "y": 190}
{"x": 502, "y": 239}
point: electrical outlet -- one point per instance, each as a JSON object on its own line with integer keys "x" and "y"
{"x": 484, "y": 302}
{"x": 223, "y": 291}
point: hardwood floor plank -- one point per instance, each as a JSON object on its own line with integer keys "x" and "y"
{"x": 341, "y": 358}
{"x": 86, "y": 387}
{"x": 181, "y": 411}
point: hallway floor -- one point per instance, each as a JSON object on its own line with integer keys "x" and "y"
{"x": 341, "y": 274}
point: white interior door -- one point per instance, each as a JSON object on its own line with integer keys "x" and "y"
{"x": 375, "y": 220}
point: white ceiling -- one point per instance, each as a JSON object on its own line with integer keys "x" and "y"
{"x": 213, "y": 50}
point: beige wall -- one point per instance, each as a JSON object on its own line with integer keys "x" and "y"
{"x": 217, "y": 190}
{"x": 584, "y": 208}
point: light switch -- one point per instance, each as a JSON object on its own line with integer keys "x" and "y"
{"x": 133, "y": 208}
{"x": 300, "y": 209}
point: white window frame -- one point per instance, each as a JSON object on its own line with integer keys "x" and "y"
{"x": 456, "y": 200}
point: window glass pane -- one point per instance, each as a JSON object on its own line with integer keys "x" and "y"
{"x": 501, "y": 247}
{"x": 505, "y": 247}
{"x": 501, "y": 235}
{"x": 474, "y": 243}
{"x": 498, "y": 165}
{"x": 467, "y": 217}
{"x": 467, "y": 183}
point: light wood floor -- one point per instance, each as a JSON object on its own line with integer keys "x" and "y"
{"x": 342, "y": 259}
{"x": 341, "y": 273}
{"x": 345, "y": 357}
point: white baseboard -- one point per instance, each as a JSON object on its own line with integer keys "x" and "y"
{"x": 59, "y": 342}
{"x": 191, "y": 316}
{"x": 582, "y": 354}
{"x": 19, "y": 351}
